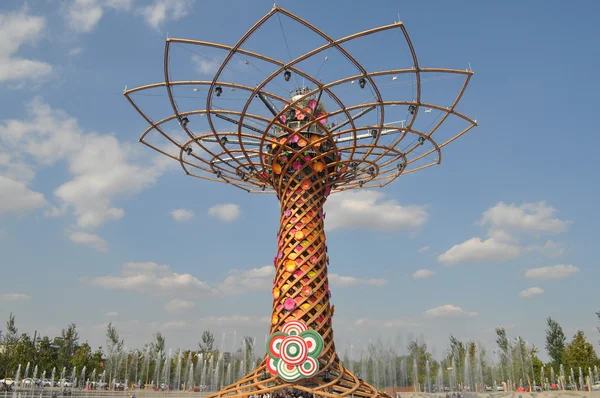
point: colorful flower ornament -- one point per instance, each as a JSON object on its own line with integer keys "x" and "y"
{"x": 294, "y": 352}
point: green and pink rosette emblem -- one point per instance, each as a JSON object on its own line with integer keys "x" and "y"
{"x": 294, "y": 352}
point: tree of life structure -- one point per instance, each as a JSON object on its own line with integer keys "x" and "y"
{"x": 297, "y": 152}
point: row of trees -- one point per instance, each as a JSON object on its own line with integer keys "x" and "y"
{"x": 466, "y": 364}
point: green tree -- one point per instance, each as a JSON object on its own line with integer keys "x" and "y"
{"x": 47, "y": 355}
{"x": 24, "y": 351}
{"x": 504, "y": 352}
{"x": 9, "y": 342}
{"x": 115, "y": 347}
{"x": 598, "y": 313}
{"x": 580, "y": 353}
{"x": 82, "y": 357}
{"x": 206, "y": 346}
{"x": 67, "y": 343}
{"x": 555, "y": 342}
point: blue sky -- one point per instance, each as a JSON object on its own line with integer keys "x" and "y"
{"x": 94, "y": 227}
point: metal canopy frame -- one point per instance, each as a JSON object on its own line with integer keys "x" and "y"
{"x": 354, "y": 157}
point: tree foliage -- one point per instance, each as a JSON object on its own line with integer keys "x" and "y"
{"x": 580, "y": 352}
{"x": 555, "y": 342}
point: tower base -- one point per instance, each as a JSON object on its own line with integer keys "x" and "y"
{"x": 342, "y": 383}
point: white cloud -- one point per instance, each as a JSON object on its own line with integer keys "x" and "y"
{"x": 531, "y": 292}
{"x": 367, "y": 209}
{"x": 424, "y": 249}
{"x": 155, "y": 279}
{"x": 340, "y": 281}
{"x": 16, "y": 197}
{"x": 178, "y": 305}
{"x": 170, "y": 325}
{"x": 205, "y": 66}
{"x": 448, "y": 311}
{"x": 14, "y": 297}
{"x": 475, "y": 250}
{"x": 159, "y": 279}
{"x": 529, "y": 218}
{"x": 389, "y": 323}
{"x": 17, "y": 29}
{"x": 102, "y": 168}
{"x": 551, "y": 249}
{"x": 75, "y": 51}
{"x": 162, "y": 10}
{"x": 111, "y": 314}
{"x": 551, "y": 272}
{"x": 233, "y": 320}
{"x": 504, "y": 221}
{"x": 88, "y": 239}
{"x": 84, "y": 15}
{"x": 423, "y": 273}
{"x": 182, "y": 214}
{"x": 225, "y": 212}
{"x": 241, "y": 281}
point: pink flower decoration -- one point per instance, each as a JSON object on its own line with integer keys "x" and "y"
{"x": 284, "y": 158}
{"x": 327, "y": 192}
{"x": 288, "y": 213}
{"x": 275, "y": 262}
{"x": 312, "y": 104}
{"x": 280, "y": 255}
{"x": 296, "y": 165}
{"x": 307, "y": 158}
{"x": 323, "y": 120}
{"x": 294, "y": 139}
{"x": 283, "y": 118}
{"x": 321, "y": 213}
{"x": 289, "y": 304}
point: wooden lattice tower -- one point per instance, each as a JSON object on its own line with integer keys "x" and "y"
{"x": 294, "y": 153}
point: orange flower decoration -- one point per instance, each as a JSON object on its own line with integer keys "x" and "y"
{"x": 318, "y": 167}
{"x": 277, "y": 168}
{"x": 306, "y": 184}
{"x": 276, "y": 292}
{"x": 306, "y": 290}
{"x": 299, "y": 235}
{"x": 314, "y": 139}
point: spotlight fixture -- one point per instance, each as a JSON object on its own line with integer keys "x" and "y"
{"x": 371, "y": 170}
{"x": 184, "y": 121}
{"x": 374, "y": 133}
{"x": 218, "y": 91}
{"x": 218, "y": 173}
{"x": 263, "y": 187}
{"x": 287, "y": 75}
{"x": 362, "y": 82}
{"x": 412, "y": 109}
{"x": 327, "y": 377}
{"x": 224, "y": 140}
{"x": 400, "y": 166}
{"x": 188, "y": 150}
{"x": 361, "y": 183}
{"x": 421, "y": 140}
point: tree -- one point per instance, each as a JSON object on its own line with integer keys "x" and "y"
{"x": 598, "y": 313}
{"x": 580, "y": 353}
{"x": 82, "y": 357}
{"x": 9, "y": 341}
{"x": 555, "y": 342}
{"x": 504, "y": 351}
{"x": 158, "y": 345}
{"x": 67, "y": 344}
{"x": 47, "y": 354}
{"x": 206, "y": 346}
{"x": 115, "y": 346}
